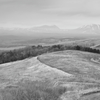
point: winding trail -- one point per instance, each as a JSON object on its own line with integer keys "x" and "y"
{"x": 95, "y": 61}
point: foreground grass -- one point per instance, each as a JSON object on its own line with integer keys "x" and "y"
{"x": 30, "y": 80}
{"x": 32, "y": 91}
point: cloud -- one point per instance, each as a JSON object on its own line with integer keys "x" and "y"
{"x": 76, "y": 7}
{"x": 35, "y": 3}
{"x": 56, "y": 7}
{"x": 37, "y": 12}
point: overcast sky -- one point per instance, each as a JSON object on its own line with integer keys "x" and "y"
{"x": 63, "y": 13}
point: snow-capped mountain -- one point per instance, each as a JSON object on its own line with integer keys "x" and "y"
{"x": 86, "y": 31}
{"x": 94, "y": 28}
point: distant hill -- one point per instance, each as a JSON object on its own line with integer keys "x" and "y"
{"x": 47, "y": 31}
{"x": 91, "y": 28}
{"x": 86, "y": 31}
{"x": 46, "y": 27}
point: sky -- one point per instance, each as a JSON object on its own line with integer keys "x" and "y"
{"x": 63, "y": 13}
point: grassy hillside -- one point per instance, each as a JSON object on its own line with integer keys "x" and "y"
{"x": 30, "y": 80}
{"x": 85, "y": 67}
{"x": 64, "y": 75}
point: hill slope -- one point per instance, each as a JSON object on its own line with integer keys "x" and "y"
{"x": 61, "y": 75}
{"x": 85, "y": 67}
{"x": 30, "y": 79}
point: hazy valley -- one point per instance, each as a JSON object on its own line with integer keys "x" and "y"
{"x": 48, "y": 35}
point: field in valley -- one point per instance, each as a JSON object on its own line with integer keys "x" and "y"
{"x": 63, "y": 75}
{"x": 20, "y": 42}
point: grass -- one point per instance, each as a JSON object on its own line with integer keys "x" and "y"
{"x": 86, "y": 72}
{"x": 29, "y": 90}
{"x": 73, "y": 62}
{"x": 64, "y": 75}
{"x": 29, "y": 79}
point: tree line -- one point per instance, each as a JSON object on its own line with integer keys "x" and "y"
{"x": 32, "y": 51}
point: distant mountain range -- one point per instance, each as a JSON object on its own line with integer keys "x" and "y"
{"x": 49, "y": 35}
{"x": 38, "y": 28}
{"x": 46, "y": 27}
{"x": 52, "y": 31}
{"x": 94, "y": 28}
{"x": 86, "y": 31}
